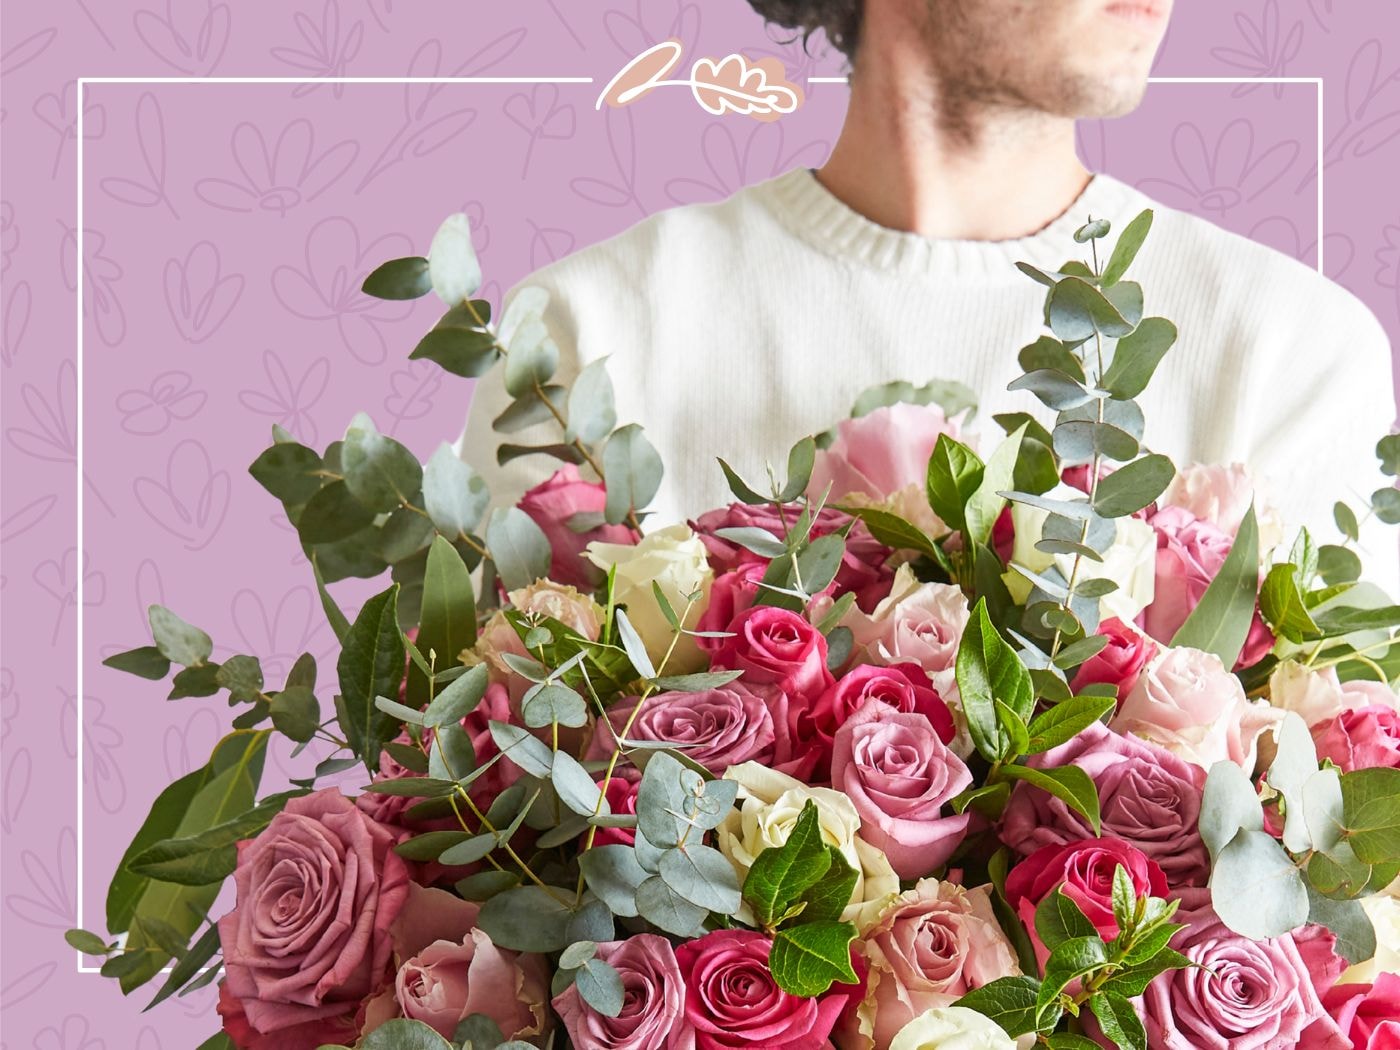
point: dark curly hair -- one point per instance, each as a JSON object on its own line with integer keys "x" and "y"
{"x": 839, "y": 19}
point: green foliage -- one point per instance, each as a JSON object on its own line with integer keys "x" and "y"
{"x": 371, "y": 665}
{"x": 399, "y": 279}
{"x": 988, "y": 670}
{"x": 1220, "y": 621}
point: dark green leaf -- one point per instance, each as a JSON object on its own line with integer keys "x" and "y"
{"x": 1126, "y": 248}
{"x": 1059, "y": 919}
{"x": 289, "y": 471}
{"x": 332, "y": 514}
{"x": 194, "y": 681}
{"x": 989, "y": 670}
{"x": 1119, "y": 1021}
{"x": 1070, "y": 784}
{"x": 1009, "y": 1001}
{"x": 807, "y": 960}
{"x": 954, "y": 472}
{"x": 145, "y": 662}
{"x": 371, "y": 665}
{"x": 1220, "y": 622}
{"x": 296, "y": 714}
{"x": 779, "y": 875}
{"x": 448, "y": 616}
{"x": 1133, "y": 486}
{"x": 464, "y": 350}
{"x": 399, "y": 279}
{"x": 1066, "y": 720}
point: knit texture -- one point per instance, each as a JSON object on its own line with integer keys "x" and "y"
{"x": 733, "y": 329}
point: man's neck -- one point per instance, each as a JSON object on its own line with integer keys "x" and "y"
{"x": 910, "y": 158}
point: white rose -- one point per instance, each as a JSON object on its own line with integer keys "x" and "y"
{"x": 952, "y": 1028}
{"x": 452, "y": 264}
{"x": 1131, "y": 561}
{"x": 676, "y": 560}
{"x": 568, "y": 605}
{"x": 1384, "y": 913}
{"x": 769, "y": 805}
{"x": 1316, "y": 696}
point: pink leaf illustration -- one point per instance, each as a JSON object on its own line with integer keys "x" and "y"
{"x": 759, "y": 90}
{"x": 643, "y": 73}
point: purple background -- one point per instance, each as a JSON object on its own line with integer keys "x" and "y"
{"x": 228, "y": 227}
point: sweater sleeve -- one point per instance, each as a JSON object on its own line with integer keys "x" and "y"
{"x": 1318, "y": 418}
{"x": 479, "y": 441}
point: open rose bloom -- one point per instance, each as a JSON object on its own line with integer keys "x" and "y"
{"x": 938, "y": 738}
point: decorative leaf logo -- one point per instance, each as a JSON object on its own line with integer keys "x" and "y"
{"x": 732, "y": 84}
{"x": 638, "y": 77}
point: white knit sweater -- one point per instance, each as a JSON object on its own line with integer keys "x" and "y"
{"x": 733, "y": 329}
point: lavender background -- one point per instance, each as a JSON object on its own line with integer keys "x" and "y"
{"x": 228, "y": 227}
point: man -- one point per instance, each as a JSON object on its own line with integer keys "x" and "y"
{"x": 735, "y": 328}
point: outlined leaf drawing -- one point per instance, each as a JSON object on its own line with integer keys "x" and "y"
{"x": 150, "y": 142}
{"x": 638, "y": 77}
{"x": 759, "y": 90}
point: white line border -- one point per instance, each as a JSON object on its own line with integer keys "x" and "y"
{"x": 79, "y": 426}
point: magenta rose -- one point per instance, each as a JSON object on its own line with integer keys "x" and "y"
{"x": 1148, "y": 797}
{"x": 900, "y": 686}
{"x": 308, "y": 938}
{"x": 1368, "y": 1015}
{"x": 896, "y": 769}
{"x": 732, "y": 1001}
{"x": 621, "y": 794}
{"x": 778, "y": 647}
{"x": 1362, "y": 738}
{"x": 730, "y": 594}
{"x": 718, "y": 728}
{"x": 552, "y": 505}
{"x": 1241, "y": 994}
{"x": 653, "y": 1001}
{"x": 448, "y": 970}
{"x": 1083, "y": 872}
{"x": 1120, "y": 661}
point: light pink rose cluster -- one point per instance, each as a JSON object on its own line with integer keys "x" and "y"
{"x": 1361, "y": 738}
{"x": 1367, "y": 1016}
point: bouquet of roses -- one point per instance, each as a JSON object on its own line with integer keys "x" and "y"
{"x": 915, "y": 748}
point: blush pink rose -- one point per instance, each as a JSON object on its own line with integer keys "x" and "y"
{"x": 308, "y": 938}
{"x": 552, "y": 504}
{"x": 1362, "y": 738}
{"x": 777, "y": 647}
{"x": 1188, "y": 703}
{"x": 1120, "y": 661}
{"x": 653, "y": 1001}
{"x": 1190, "y": 551}
{"x": 732, "y": 1001}
{"x": 1148, "y": 797}
{"x": 621, "y": 794}
{"x": 731, "y": 593}
{"x": 930, "y": 946}
{"x": 1368, "y": 1015}
{"x": 1241, "y": 994}
{"x": 718, "y": 728}
{"x": 448, "y": 969}
{"x": 1083, "y": 871}
{"x": 881, "y": 452}
{"x": 897, "y": 771}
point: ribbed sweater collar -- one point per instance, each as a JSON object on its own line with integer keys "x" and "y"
{"x": 810, "y": 211}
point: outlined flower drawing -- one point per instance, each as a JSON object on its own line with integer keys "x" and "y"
{"x": 1388, "y": 263}
{"x": 328, "y": 287}
{"x": 1267, "y": 48}
{"x": 280, "y": 635}
{"x": 411, "y": 392}
{"x": 198, "y": 294}
{"x": 186, "y": 747}
{"x": 541, "y": 115}
{"x": 150, "y": 191}
{"x": 189, "y": 36}
{"x": 1218, "y": 177}
{"x": 100, "y": 275}
{"x": 736, "y": 160}
{"x": 9, "y": 235}
{"x": 653, "y": 22}
{"x": 59, "y": 111}
{"x": 102, "y": 741}
{"x": 16, "y": 321}
{"x": 324, "y": 50}
{"x": 51, "y": 433}
{"x": 151, "y": 410}
{"x": 280, "y": 177}
{"x": 191, "y": 500}
{"x": 287, "y": 401}
{"x": 1281, "y": 232}
{"x": 58, "y": 578}
{"x": 47, "y": 902}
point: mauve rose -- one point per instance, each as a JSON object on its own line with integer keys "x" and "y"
{"x": 653, "y": 1001}
{"x": 1148, "y": 797}
{"x": 730, "y": 594}
{"x": 1190, "y": 551}
{"x": 1366, "y": 1014}
{"x": 1083, "y": 872}
{"x": 1363, "y": 738}
{"x": 896, "y": 770}
{"x": 1242, "y": 994}
{"x": 930, "y": 946}
{"x": 732, "y": 1001}
{"x": 308, "y": 938}
{"x": 718, "y": 728}
{"x": 551, "y": 504}
{"x": 389, "y": 809}
{"x": 621, "y": 794}
{"x": 1120, "y": 661}
{"x": 449, "y": 970}
{"x": 1187, "y": 702}
{"x": 778, "y": 647}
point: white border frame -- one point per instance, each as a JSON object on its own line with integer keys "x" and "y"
{"x": 79, "y": 426}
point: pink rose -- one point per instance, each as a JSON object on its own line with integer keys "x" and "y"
{"x": 895, "y": 768}
{"x": 1148, "y": 797}
{"x": 308, "y": 938}
{"x": 1221, "y": 495}
{"x": 495, "y": 706}
{"x": 389, "y": 809}
{"x": 1190, "y": 552}
{"x": 774, "y": 646}
{"x": 901, "y": 687}
{"x": 730, "y": 594}
{"x": 732, "y": 1001}
{"x": 930, "y": 946}
{"x": 1363, "y": 738}
{"x": 1186, "y": 701}
{"x": 1083, "y": 872}
{"x": 1316, "y": 696}
{"x": 718, "y": 728}
{"x": 1120, "y": 661}
{"x": 881, "y": 452}
{"x": 1366, "y": 1014}
{"x": 621, "y": 794}
{"x": 449, "y": 970}
{"x": 1240, "y": 995}
{"x": 552, "y": 504}
{"x": 653, "y": 1001}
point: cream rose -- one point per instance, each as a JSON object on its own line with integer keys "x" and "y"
{"x": 676, "y": 559}
{"x": 1130, "y": 562}
{"x": 769, "y": 805}
{"x": 568, "y": 605}
{"x": 1384, "y": 912}
{"x": 952, "y": 1028}
{"x": 1316, "y": 696}
{"x": 1186, "y": 701}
